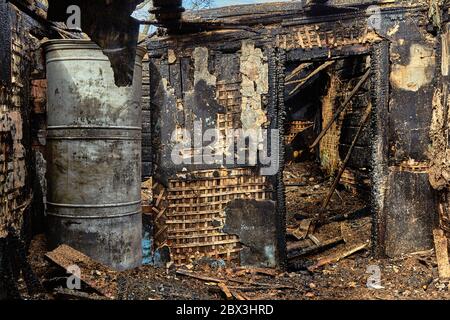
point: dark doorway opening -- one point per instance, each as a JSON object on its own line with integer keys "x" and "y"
{"x": 328, "y": 157}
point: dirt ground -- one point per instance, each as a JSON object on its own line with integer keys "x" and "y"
{"x": 410, "y": 277}
{"x": 355, "y": 277}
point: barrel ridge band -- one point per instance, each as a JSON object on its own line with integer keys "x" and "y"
{"x": 127, "y": 214}
{"x": 92, "y": 133}
{"x": 108, "y": 205}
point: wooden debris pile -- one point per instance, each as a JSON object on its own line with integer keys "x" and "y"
{"x": 233, "y": 288}
{"x": 317, "y": 236}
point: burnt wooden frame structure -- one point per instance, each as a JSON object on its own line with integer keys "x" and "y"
{"x": 395, "y": 183}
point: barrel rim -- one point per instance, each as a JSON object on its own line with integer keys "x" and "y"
{"x": 66, "y": 44}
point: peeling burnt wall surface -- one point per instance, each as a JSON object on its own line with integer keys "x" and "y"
{"x": 215, "y": 87}
{"x": 439, "y": 133}
{"x": 406, "y": 67}
{"x": 5, "y": 55}
{"x": 146, "y": 121}
{"x": 410, "y": 206}
{"x": 15, "y": 116}
{"x": 223, "y": 90}
{"x": 20, "y": 49}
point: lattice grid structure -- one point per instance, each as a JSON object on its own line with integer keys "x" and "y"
{"x": 191, "y": 213}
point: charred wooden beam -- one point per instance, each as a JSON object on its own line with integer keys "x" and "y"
{"x": 345, "y": 161}
{"x": 5, "y": 44}
{"x": 301, "y": 82}
{"x": 341, "y": 108}
{"x": 441, "y": 248}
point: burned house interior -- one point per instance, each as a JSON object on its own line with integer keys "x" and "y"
{"x": 326, "y": 165}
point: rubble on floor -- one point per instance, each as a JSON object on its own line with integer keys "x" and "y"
{"x": 345, "y": 229}
{"x": 330, "y": 259}
{"x": 414, "y": 276}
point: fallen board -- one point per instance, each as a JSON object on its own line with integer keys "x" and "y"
{"x": 337, "y": 257}
{"x": 441, "y": 247}
{"x": 94, "y": 274}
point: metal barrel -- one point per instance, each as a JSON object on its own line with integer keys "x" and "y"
{"x": 93, "y": 155}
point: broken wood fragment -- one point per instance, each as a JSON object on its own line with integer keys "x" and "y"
{"x": 297, "y": 70}
{"x": 312, "y": 74}
{"x": 263, "y": 271}
{"x": 441, "y": 247}
{"x": 74, "y": 294}
{"x": 260, "y": 288}
{"x": 239, "y": 295}
{"x": 339, "y": 195}
{"x": 303, "y": 229}
{"x": 227, "y": 293}
{"x": 349, "y": 216}
{"x": 293, "y": 253}
{"x": 190, "y": 274}
{"x": 341, "y": 108}
{"x": 260, "y": 284}
{"x": 94, "y": 274}
{"x": 147, "y": 210}
{"x": 216, "y": 280}
{"x": 314, "y": 239}
{"x": 337, "y": 257}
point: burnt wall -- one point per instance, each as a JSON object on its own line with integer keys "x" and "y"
{"x": 408, "y": 82}
{"x": 194, "y": 88}
{"x": 204, "y": 87}
{"x": 410, "y": 201}
{"x": 21, "y": 62}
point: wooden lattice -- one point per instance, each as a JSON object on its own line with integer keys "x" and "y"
{"x": 190, "y": 214}
{"x": 296, "y": 127}
{"x": 355, "y": 180}
{"x": 229, "y": 96}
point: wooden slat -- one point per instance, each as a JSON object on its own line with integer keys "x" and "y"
{"x": 441, "y": 247}
{"x": 93, "y": 273}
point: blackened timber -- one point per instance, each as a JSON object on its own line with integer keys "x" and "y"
{"x": 410, "y": 212}
{"x": 380, "y": 146}
{"x": 5, "y": 44}
{"x": 347, "y": 158}
{"x": 280, "y": 189}
{"x": 342, "y": 108}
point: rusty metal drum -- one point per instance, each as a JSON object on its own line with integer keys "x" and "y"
{"x": 94, "y": 154}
